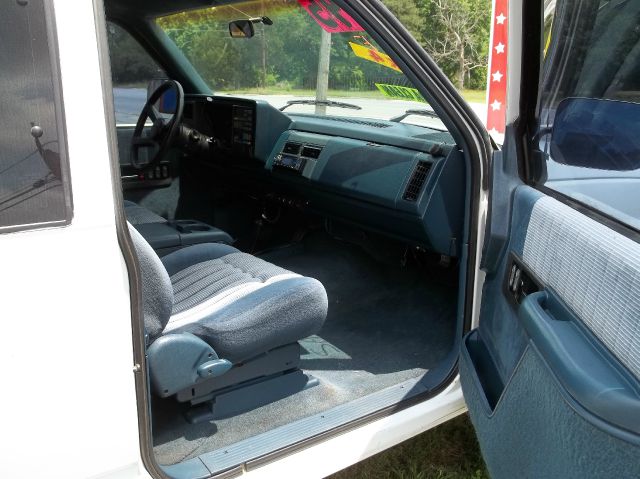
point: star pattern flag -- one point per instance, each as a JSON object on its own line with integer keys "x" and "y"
{"x": 497, "y": 74}
{"x": 373, "y": 55}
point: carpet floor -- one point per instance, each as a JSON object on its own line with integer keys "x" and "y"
{"x": 386, "y": 324}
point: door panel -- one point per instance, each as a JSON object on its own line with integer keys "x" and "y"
{"x": 535, "y": 431}
{"x": 551, "y": 376}
{"x": 595, "y": 270}
{"x": 124, "y": 134}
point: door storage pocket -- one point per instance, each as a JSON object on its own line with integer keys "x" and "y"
{"x": 533, "y": 429}
{"x": 480, "y": 370}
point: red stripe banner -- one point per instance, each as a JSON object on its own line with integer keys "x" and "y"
{"x": 330, "y": 16}
{"x": 497, "y": 74}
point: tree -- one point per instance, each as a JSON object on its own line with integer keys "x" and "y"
{"x": 456, "y": 35}
{"x": 285, "y": 55}
{"x": 454, "y": 32}
{"x": 408, "y": 13}
{"x": 132, "y": 65}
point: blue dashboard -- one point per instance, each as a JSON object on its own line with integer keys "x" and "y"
{"x": 402, "y": 180}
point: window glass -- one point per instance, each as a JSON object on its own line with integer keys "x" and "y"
{"x": 33, "y": 182}
{"x": 294, "y": 51}
{"x": 132, "y": 72}
{"x": 589, "y": 108}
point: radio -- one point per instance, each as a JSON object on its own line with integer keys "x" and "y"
{"x": 290, "y": 162}
{"x": 294, "y": 156}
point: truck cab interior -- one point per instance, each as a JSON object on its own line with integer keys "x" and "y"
{"x": 303, "y": 259}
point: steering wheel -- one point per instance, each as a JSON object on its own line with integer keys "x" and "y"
{"x": 162, "y": 132}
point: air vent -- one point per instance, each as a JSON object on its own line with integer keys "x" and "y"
{"x": 416, "y": 182}
{"x": 311, "y": 152}
{"x": 355, "y": 121}
{"x": 291, "y": 148}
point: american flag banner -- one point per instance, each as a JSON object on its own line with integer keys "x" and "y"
{"x": 497, "y": 72}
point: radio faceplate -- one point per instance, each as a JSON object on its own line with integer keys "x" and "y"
{"x": 284, "y": 160}
{"x": 294, "y": 156}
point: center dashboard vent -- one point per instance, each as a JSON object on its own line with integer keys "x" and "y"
{"x": 311, "y": 152}
{"x": 416, "y": 182}
{"x": 291, "y": 148}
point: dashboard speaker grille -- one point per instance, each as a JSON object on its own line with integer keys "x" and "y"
{"x": 416, "y": 182}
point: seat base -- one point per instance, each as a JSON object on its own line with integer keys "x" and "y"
{"x": 267, "y": 365}
{"x": 251, "y": 395}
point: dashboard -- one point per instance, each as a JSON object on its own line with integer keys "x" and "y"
{"x": 230, "y": 121}
{"x": 399, "y": 179}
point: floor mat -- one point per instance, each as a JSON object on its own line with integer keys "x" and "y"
{"x": 386, "y": 323}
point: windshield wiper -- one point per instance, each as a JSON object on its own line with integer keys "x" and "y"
{"x": 425, "y": 112}
{"x": 337, "y": 104}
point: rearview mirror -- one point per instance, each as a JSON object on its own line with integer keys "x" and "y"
{"x": 241, "y": 29}
{"x": 595, "y": 133}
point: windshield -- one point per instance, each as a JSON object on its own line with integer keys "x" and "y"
{"x": 290, "y": 57}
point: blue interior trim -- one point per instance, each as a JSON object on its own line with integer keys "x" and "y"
{"x": 588, "y": 373}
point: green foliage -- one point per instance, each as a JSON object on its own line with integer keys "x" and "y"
{"x": 131, "y": 64}
{"x": 285, "y": 55}
{"x": 454, "y": 32}
{"x": 408, "y": 12}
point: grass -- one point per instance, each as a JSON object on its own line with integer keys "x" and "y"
{"x": 473, "y": 96}
{"x": 449, "y": 451}
{"x": 307, "y": 92}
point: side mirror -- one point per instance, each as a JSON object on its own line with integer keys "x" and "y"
{"x": 595, "y": 133}
{"x": 241, "y": 29}
{"x": 167, "y": 102}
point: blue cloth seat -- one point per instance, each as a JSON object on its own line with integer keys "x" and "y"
{"x": 137, "y": 214}
{"x": 240, "y": 305}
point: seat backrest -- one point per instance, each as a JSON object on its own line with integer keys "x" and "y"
{"x": 157, "y": 292}
{"x": 137, "y": 215}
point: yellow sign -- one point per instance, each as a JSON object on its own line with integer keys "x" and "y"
{"x": 400, "y": 92}
{"x": 373, "y": 55}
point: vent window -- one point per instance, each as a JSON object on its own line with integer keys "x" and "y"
{"x": 416, "y": 182}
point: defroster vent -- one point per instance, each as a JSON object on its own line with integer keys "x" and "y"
{"x": 416, "y": 182}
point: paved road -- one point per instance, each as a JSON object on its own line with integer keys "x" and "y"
{"x": 129, "y": 102}
{"x": 371, "y": 108}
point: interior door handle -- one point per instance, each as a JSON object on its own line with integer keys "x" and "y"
{"x": 587, "y": 371}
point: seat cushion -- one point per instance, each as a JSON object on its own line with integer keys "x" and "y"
{"x": 137, "y": 215}
{"x": 241, "y": 305}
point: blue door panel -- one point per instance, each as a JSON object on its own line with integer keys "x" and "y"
{"x": 551, "y": 376}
